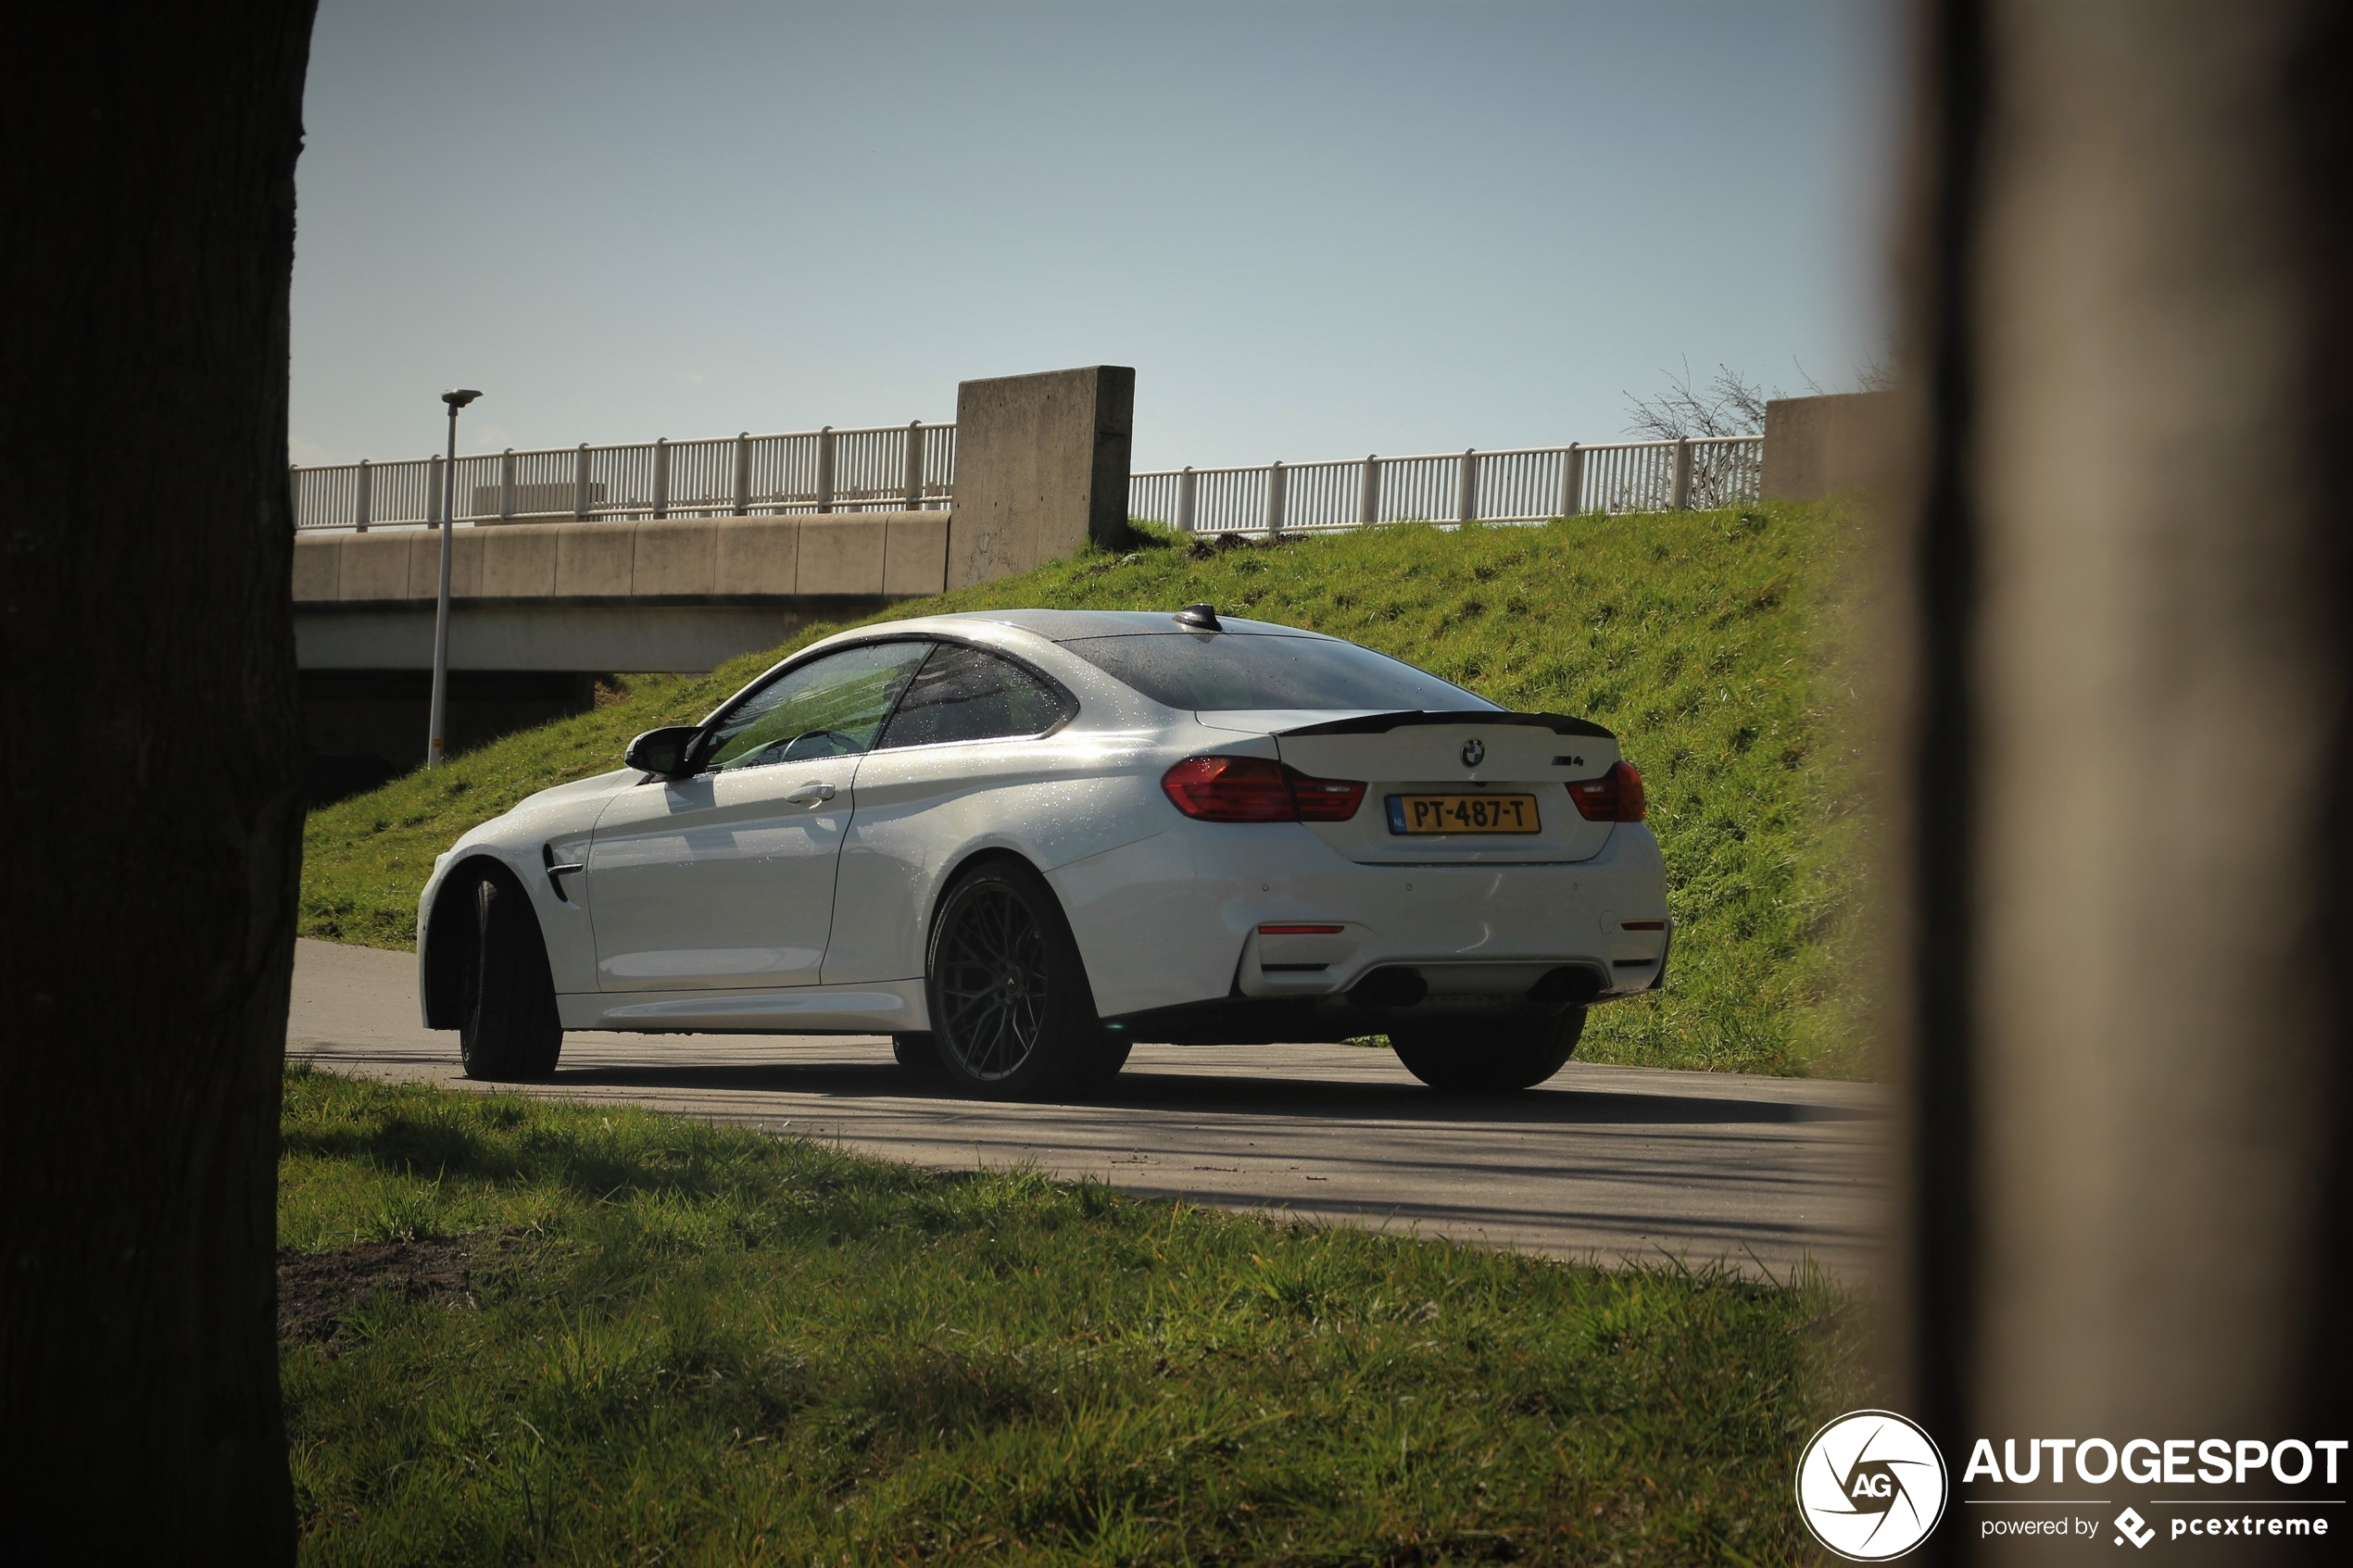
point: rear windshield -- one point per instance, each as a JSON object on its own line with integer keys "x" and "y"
{"x": 1223, "y": 672}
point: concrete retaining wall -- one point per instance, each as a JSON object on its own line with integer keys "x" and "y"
{"x": 520, "y": 634}
{"x": 699, "y": 561}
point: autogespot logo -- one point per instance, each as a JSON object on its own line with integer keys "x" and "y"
{"x": 1870, "y": 1486}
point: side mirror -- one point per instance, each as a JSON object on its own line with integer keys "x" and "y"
{"x": 663, "y": 751}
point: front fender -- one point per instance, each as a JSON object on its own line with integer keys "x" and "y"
{"x": 439, "y": 918}
{"x": 552, "y": 826}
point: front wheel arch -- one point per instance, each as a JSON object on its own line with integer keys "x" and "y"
{"x": 450, "y": 937}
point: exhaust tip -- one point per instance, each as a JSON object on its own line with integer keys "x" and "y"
{"x": 1392, "y": 986}
{"x": 1569, "y": 986}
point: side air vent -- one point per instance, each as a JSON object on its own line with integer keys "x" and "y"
{"x": 556, "y": 872}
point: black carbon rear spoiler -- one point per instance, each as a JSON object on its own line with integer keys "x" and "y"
{"x": 1381, "y": 724}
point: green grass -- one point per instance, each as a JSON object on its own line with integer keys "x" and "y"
{"x": 704, "y": 1346}
{"x": 1708, "y": 640}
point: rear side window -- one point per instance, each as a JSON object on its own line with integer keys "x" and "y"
{"x": 964, "y": 694}
{"x": 1213, "y": 672}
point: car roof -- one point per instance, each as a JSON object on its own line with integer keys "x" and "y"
{"x": 1063, "y": 625}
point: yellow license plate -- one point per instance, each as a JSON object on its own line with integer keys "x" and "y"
{"x": 1463, "y": 814}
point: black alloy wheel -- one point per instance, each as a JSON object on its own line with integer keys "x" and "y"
{"x": 992, "y": 977}
{"x": 1478, "y": 1060}
{"x": 508, "y": 1029}
{"x": 1012, "y": 1014}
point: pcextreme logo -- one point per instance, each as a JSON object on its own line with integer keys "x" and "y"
{"x": 1870, "y": 1486}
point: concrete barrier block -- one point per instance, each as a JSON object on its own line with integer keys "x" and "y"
{"x": 519, "y": 563}
{"x": 318, "y": 558}
{"x": 1041, "y": 468}
{"x": 372, "y": 567}
{"x": 756, "y": 556}
{"x": 1818, "y": 446}
{"x": 915, "y": 553}
{"x": 678, "y": 556}
{"x": 595, "y": 561}
{"x": 465, "y": 563}
{"x": 841, "y": 555}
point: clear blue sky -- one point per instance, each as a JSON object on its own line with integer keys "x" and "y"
{"x": 1315, "y": 228}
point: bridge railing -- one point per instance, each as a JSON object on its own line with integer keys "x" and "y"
{"x": 914, "y": 466}
{"x": 885, "y": 468}
{"x": 1523, "y": 485}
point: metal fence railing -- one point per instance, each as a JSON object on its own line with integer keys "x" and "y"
{"x": 1526, "y": 484}
{"x": 884, "y": 468}
{"x": 914, "y": 466}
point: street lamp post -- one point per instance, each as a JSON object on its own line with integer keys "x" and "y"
{"x": 438, "y": 742}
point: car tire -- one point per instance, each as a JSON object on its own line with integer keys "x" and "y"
{"x": 1501, "y": 1062}
{"x": 1010, "y": 1008}
{"x": 508, "y": 1030}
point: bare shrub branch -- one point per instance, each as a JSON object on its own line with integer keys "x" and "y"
{"x": 1728, "y": 405}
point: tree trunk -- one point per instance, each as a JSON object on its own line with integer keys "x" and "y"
{"x": 2129, "y": 686}
{"x": 152, "y": 772}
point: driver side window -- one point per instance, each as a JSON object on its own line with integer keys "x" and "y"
{"x": 831, "y": 707}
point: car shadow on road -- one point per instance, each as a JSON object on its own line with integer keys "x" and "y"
{"x": 1236, "y": 1094}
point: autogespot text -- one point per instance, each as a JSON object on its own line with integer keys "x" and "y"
{"x": 2292, "y": 1487}
{"x": 2176, "y": 1462}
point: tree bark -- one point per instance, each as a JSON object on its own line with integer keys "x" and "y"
{"x": 2129, "y": 692}
{"x": 151, "y": 772}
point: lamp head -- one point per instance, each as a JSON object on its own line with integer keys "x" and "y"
{"x": 458, "y": 397}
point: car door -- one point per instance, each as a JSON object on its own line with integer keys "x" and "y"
{"x": 969, "y": 735}
{"x": 725, "y": 880}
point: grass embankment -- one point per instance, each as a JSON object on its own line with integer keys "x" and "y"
{"x": 684, "y": 1344}
{"x": 1708, "y": 640}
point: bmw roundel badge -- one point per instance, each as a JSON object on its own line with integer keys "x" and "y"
{"x": 1474, "y": 752}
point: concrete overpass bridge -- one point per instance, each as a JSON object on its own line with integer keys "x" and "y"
{"x": 662, "y": 558}
{"x": 576, "y": 563}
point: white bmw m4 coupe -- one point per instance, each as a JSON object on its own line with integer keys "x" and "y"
{"x": 1018, "y": 842}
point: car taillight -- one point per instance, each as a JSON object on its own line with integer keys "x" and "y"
{"x": 1324, "y": 800}
{"x": 1230, "y": 789}
{"x": 1616, "y": 796}
{"x": 1257, "y": 789}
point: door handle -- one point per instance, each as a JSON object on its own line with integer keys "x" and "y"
{"x": 811, "y": 794}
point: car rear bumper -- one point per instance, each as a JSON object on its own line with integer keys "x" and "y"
{"x": 1175, "y": 920}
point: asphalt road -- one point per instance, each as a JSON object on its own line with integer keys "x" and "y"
{"x": 1606, "y": 1164}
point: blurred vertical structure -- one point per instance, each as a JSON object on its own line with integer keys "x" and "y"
{"x": 2126, "y": 715}
{"x": 150, "y": 771}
